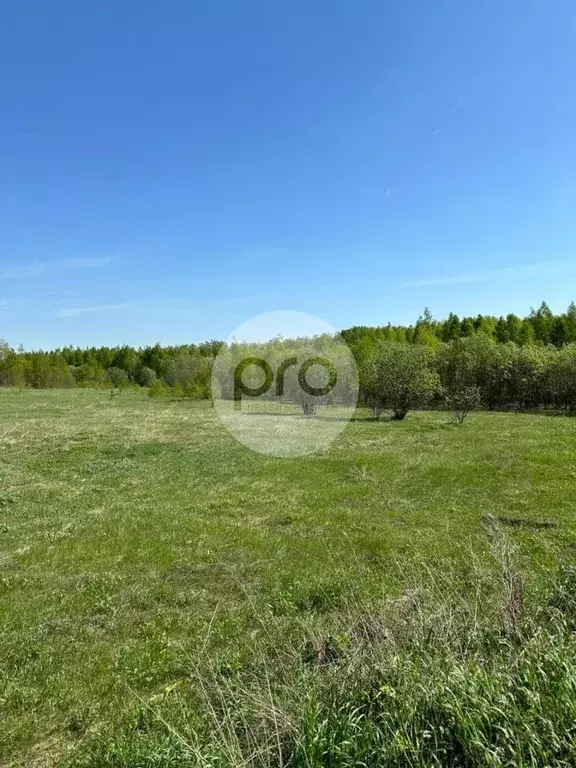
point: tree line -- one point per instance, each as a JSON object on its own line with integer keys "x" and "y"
{"x": 505, "y": 362}
{"x": 185, "y": 369}
{"x": 541, "y": 326}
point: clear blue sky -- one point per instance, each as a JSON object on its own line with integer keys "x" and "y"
{"x": 168, "y": 170}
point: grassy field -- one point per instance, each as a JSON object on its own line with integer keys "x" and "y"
{"x": 143, "y": 549}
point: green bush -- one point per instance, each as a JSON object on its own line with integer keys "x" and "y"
{"x": 118, "y": 377}
{"x": 400, "y": 377}
{"x": 462, "y": 402}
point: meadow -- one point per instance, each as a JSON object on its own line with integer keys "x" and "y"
{"x": 169, "y": 597}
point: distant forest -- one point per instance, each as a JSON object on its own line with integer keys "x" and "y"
{"x": 510, "y": 361}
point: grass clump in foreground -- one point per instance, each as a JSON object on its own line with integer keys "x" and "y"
{"x": 443, "y": 676}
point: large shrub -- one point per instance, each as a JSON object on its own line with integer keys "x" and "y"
{"x": 400, "y": 377}
{"x": 118, "y": 376}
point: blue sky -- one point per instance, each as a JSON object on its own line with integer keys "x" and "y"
{"x": 169, "y": 170}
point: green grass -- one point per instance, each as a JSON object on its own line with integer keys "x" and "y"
{"x": 143, "y": 551}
